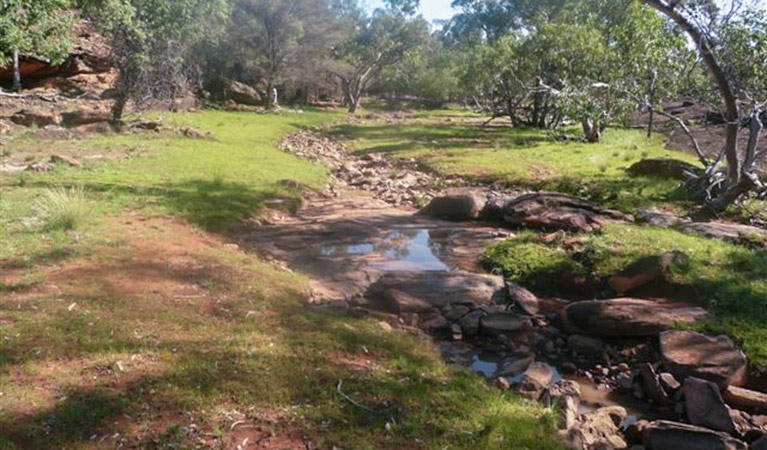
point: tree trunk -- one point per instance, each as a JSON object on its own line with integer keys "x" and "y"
{"x": 121, "y": 101}
{"x": 16, "y": 72}
{"x": 592, "y": 131}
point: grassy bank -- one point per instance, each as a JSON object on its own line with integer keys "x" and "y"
{"x": 522, "y": 158}
{"x": 144, "y": 327}
{"x": 731, "y": 280}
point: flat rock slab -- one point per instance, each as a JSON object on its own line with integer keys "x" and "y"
{"x": 502, "y": 323}
{"x": 441, "y": 288}
{"x": 666, "y": 435}
{"x": 730, "y": 232}
{"x": 552, "y": 210}
{"x": 716, "y": 359}
{"x": 627, "y": 316}
{"x": 457, "y": 205}
{"x": 746, "y": 399}
{"x": 704, "y": 405}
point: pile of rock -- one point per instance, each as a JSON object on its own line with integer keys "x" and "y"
{"x": 398, "y": 182}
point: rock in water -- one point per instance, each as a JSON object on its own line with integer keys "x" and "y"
{"x": 627, "y": 316}
{"x": 704, "y": 405}
{"x": 716, "y": 359}
{"x": 536, "y": 379}
{"x": 526, "y": 300}
{"x": 665, "y": 435}
{"x": 558, "y": 211}
{"x": 458, "y": 205}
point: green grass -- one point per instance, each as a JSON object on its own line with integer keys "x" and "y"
{"x": 523, "y": 158}
{"x": 143, "y": 321}
{"x": 730, "y": 279}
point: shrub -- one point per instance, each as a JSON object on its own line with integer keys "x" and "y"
{"x": 64, "y": 209}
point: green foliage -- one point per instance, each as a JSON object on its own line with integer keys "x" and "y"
{"x": 39, "y": 27}
{"x": 64, "y": 209}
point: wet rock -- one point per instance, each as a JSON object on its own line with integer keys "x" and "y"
{"x": 502, "y": 323}
{"x": 669, "y": 383}
{"x": 524, "y": 299}
{"x": 535, "y": 380}
{"x": 627, "y": 316}
{"x": 470, "y": 323}
{"x": 558, "y": 211}
{"x": 35, "y": 118}
{"x": 644, "y": 271}
{"x": 704, "y": 405}
{"x": 585, "y": 345}
{"x": 666, "y": 435}
{"x": 399, "y": 302}
{"x": 747, "y": 399}
{"x": 716, "y": 359}
{"x": 441, "y": 288}
{"x": 83, "y": 116}
{"x": 457, "y": 205}
{"x": 513, "y": 366}
{"x": 598, "y": 429}
{"x": 664, "y": 167}
{"x": 651, "y": 385}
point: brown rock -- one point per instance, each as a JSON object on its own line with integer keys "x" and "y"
{"x": 526, "y": 300}
{"x": 664, "y": 167}
{"x": 666, "y": 435}
{"x": 35, "y": 117}
{"x": 759, "y": 444}
{"x": 627, "y": 316}
{"x": 730, "y": 232}
{"x": 470, "y": 322}
{"x": 558, "y": 211}
{"x": 535, "y": 380}
{"x": 651, "y": 384}
{"x": 64, "y": 159}
{"x": 598, "y": 427}
{"x": 585, "y": 345}
{"x": 502, "y": 383}
{"x": 514, "y": 366}
{"x": 716, "y": 359}
{"x": 242, "y": 93}
{"x": 669, "y": 383}
{"x": 747, "y": 399}
{"x": 502, "y": 323}
{"x": 644, "y": 271}
{"x": 80, "y": 117}
{"x": 457, "y": 205}
{"x": 704, "y": 406}
{"x": 399, "y": 302}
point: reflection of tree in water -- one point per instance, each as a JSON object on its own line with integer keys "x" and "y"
{"x": 397, "y": 245}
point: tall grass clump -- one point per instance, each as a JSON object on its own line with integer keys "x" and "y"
{"x": 64, "y": 209}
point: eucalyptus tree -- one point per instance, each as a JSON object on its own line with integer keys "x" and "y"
{"x": 39, "y": 27}
{"x": 731, "y": 42}
{"x": 376, "y": 42}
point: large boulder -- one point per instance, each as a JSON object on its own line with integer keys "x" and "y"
{"x": 704, "y": 405}
{"x": 242, "y": 93}
{"x": 716, "y": 359}
{"x": 552, "y": 210}
{"x": 627, "y": 316}
{"x": 666, "y": 435}
{"x": 458, "y": 205}
{"x": 665, "y": 168}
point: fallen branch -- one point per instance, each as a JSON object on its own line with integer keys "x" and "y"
{"x": 356, "y": 403}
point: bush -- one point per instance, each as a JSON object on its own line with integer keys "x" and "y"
{"x": 64, "y": 209}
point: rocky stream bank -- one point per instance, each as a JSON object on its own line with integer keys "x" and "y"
{"x": 620, "y": 371}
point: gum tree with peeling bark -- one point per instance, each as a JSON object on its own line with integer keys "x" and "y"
{"x": 717, "y": 191}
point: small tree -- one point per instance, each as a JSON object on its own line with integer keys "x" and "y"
{"x": 39, "y": 27}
